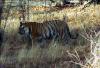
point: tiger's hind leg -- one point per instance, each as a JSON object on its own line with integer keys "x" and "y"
{"x": 66, "y": 37}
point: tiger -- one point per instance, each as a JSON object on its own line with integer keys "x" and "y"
{"x": 47, "y": 31}
{"x": 37, "y": 32}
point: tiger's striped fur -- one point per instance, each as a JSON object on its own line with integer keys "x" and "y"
{"x": 48, "y": 30}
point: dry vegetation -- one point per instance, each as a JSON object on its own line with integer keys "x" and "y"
{"x": 82, "y": 52}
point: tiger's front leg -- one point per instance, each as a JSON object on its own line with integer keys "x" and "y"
{"x": 29, "y": 41}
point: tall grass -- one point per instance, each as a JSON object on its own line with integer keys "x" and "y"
{"x": 82, "y": 52}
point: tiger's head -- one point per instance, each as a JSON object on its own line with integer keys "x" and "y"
{"x": 24, "y": 29}
{"x": 25, "y": 33}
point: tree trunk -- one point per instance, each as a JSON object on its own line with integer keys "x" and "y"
{"x": 98, "y": 1}
{"x": 95, "y": 1}
{"x": 1, "y": 9}
{"x": 1, "y": 31}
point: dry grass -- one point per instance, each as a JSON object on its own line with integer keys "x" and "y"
{"x": 15, "y": 55}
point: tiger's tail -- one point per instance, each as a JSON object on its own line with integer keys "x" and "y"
{"x": 67, "y": 30}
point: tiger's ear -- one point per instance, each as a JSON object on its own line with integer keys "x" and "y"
{"x": 22, "y": 20}
{"x": 20, "y": 23}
